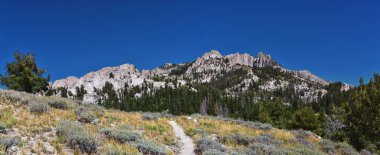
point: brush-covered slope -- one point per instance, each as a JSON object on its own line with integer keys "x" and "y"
{"x": 31, "y": 124}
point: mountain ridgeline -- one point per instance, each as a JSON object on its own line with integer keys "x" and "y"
{"x": 233, "y": 75}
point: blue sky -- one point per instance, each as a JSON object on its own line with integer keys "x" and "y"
{"x": 338, "y": 40}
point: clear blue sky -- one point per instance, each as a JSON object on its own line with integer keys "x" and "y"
{"x": 338, "y": 40}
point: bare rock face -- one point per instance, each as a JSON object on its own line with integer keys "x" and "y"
{"x": 264, "y": 60}
{"x": 305, "y": 74}
{"x": 242, "y": 59}
{"x": 68, "y": 82}
{"x": 212, "y": 55}
{"x": 124, "y": 74}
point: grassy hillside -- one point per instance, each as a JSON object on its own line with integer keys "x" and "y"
{"x": 52, "y": 125}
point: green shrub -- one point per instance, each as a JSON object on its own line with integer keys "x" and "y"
{"x": 8, "y": 142}
{"x": 237, "y": 138}
{"x": 147, "y": 147}
{"x": 121, "y": 135}
{"x": 58, "y": 104}
{"x": 3, "y": 128}
{"x": 38, "y": 108}
{"x": 206, "y": 144}
{"x": 85, "y": 115}
{"x": 213, "y": 152}
{"x": 74, "y": 134}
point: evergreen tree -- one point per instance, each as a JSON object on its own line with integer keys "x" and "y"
{"x": 80, "y": 92}
{"x": 23, "y": 74}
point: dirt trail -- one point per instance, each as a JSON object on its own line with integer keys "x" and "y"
{"x": 185, "y": 142}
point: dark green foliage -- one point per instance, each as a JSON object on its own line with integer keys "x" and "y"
{"x": 363, "y": 116}
{"x": 24, "y": 75}
{"x": 63, "y": 91}
{"x": 306, "y": 118}
{"x": 80, "y": 92}
{"x": 111, "y": 76}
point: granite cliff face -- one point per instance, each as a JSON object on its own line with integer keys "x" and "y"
{"x": 205, "y": 69}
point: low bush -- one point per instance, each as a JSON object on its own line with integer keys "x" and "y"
{"x": 149, "y": 148}
{"x": 121, "y": 135}
{"x": 206, "y": 144}
{"x": 263, "y": 148}
{"x": 38, "y": 108}
{"x": 267, "y": 139}
{"x": 346, "y": 149}
{"x": 96, "y": 109}
{"x": 74, "y": 134}
{"x": 213, "y": 152}
{"x": 154, "y": 116}
{"x": 302, "y": 133}
{"x": 58, "y": 105}
{"x": 8, "y": 142}
{"x": 304, "y": 142}
{"x": 85, "y": 115}
{"x": 328, "y": 147}
{"x": 3, "y": 128}
{"x": 236, "y": 138}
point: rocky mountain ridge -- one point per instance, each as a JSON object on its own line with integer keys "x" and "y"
{"x": 206, "y": 69}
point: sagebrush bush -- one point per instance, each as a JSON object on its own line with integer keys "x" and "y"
{"x": 328, "y": 147}
{"x": 85, "y": 142}
{"x": 263, "y": 148}
{"x": 205, "y": 144}
{"x": 213, "y": 152}
{"x": 267, "y": 139}
{"x": 38, "y": 108}
{"x": 75, "y": 135}
{"x": 304, "y": 142}
{"x": 236, "y": 138}
{"x": 85, "y": 115}
{"x": 3, "y": 128}
{"x": 58, "y": 105}
{"x": 302, "y": 133}
{"x": 96, "y": 109}
{"x": 120, "y": 135}
{"x": 149, "y": 148}
{"x": 8, "y": 142}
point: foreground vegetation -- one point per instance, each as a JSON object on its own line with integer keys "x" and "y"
{"x": 52, "y": 125}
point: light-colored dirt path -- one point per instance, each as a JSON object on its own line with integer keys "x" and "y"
{"x": 185, "y": 142}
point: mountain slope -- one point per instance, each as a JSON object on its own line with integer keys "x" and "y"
{"x": 263, "y": 71}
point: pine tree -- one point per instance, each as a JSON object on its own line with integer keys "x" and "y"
{"x": 23, "y": 74}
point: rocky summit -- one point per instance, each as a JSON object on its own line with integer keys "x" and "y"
{"x": 209, "y": 68}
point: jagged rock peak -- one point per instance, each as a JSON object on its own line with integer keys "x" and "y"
{"x": 242, "y": 59}
{"x": 264, "y": 60}
{"x": 212, "y": 54}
